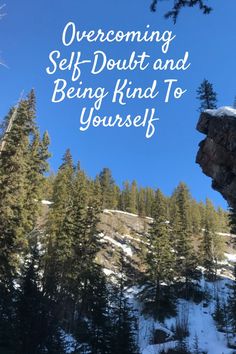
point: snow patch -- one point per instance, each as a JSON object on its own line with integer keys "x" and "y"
{"x": 108, "y": 272}
{"x": 46, "y": 202}
{"x": 226, "y": 234}
{"x": 222, "y": 111}
{"x": 126, "y": 249}
{"x": 113, "y": 211}
{"x": 230, "y": 257}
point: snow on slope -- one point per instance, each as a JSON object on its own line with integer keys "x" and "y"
{"x": 126, "y": 249}
{"x": 114, "y": 211}
{"x": 201, "y": 323}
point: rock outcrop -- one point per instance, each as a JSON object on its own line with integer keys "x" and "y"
{"x": 217, "y": 152}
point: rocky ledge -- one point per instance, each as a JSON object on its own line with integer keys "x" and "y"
{"x": 217, "y": 152}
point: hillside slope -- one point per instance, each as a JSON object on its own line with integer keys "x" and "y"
{"x": 122, "y": 232}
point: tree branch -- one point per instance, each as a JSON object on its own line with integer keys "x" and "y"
{"x": 179, "y": 5}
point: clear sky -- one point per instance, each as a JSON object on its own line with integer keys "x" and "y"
{"x": 31, "y": 29}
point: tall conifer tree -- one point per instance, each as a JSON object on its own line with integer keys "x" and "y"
{"x": 182, "y": 235}
{"x": 160, "y": 256}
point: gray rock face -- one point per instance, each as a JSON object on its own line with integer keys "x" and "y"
{"x": 217, "y": 153}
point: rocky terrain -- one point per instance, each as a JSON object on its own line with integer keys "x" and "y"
{"x": 217, "y": 152}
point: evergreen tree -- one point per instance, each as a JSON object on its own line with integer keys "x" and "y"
{"x": 207, "y": 96}
{"x": 232, "y": 304}
{"x": 125, "y": 196}
{"x": 150, "y": 197}
{"x": 37, "y": 328}
{"x": 72, "y": 276}
{"x": 95, "y": 327}
{"x": 141, "y": 202}
{"x": 232, "y": 220}
{"x": 182, "y": 235}
{"x": 195, "y": 217}
{"x": 22, "y": 165}
{"x": 202, "y": 210}
{"x": 108, "y": 189}
{"x": 123, "y": 320}
{"x": 218, "y": 314}
{"x": 59, "y": 241}
{"x": 133, "y": 198}
{"x": 160, "y": 257}
{"x": 48, "y": 187}
{"x": 222, "y": 219}
{"x": 17, "y": 218}
{"x": 212, "y": 247}
{"x": 37, "y": 166}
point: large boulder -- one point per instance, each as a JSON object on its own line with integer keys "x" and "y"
{"x": 217, "y": 152}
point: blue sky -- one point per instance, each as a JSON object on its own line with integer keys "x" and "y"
{"x": 31, "y": 29}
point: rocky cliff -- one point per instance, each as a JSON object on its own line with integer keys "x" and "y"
{"x": 217, "y": 152}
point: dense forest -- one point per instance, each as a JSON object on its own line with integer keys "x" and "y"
{"x": 51, "y": 284}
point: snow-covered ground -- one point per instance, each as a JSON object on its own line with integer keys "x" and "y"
{"x": 200, "y": 320}
{"x": 201, "y": 323}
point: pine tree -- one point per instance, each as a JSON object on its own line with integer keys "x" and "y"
{"x": 232, "y": 220}
{"x": 125, "y": 196}
{"x": 160, "y": 256}
{"x": 123, "y": 320}
{"x": 182, "y": 236}
{"x": 37, "y": 166}
{"x": 72, "y": 276}
{"x": 22, "y": 166}
{"x": 141, "y": 202}
{"x": 59, "y": 241}
{"x": 207, "y": 96}
{"x": 37, "y": 328}
{"x": 218, "y": 314}
{"x": 13, "y": 191}
{"x": 94, "y": 326}
{"x": 202, "y": 210}
{"x": 48, "y": 186}
{"x": 222, "y": 219}
{"x": 212, "y": 247}
{"x": 232, "y": 304}
{"x": 108, "y": 189}
{"x": 133, "y": 198}
{"x": 150, "y": 197}
{"x": 195, "y": 217}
